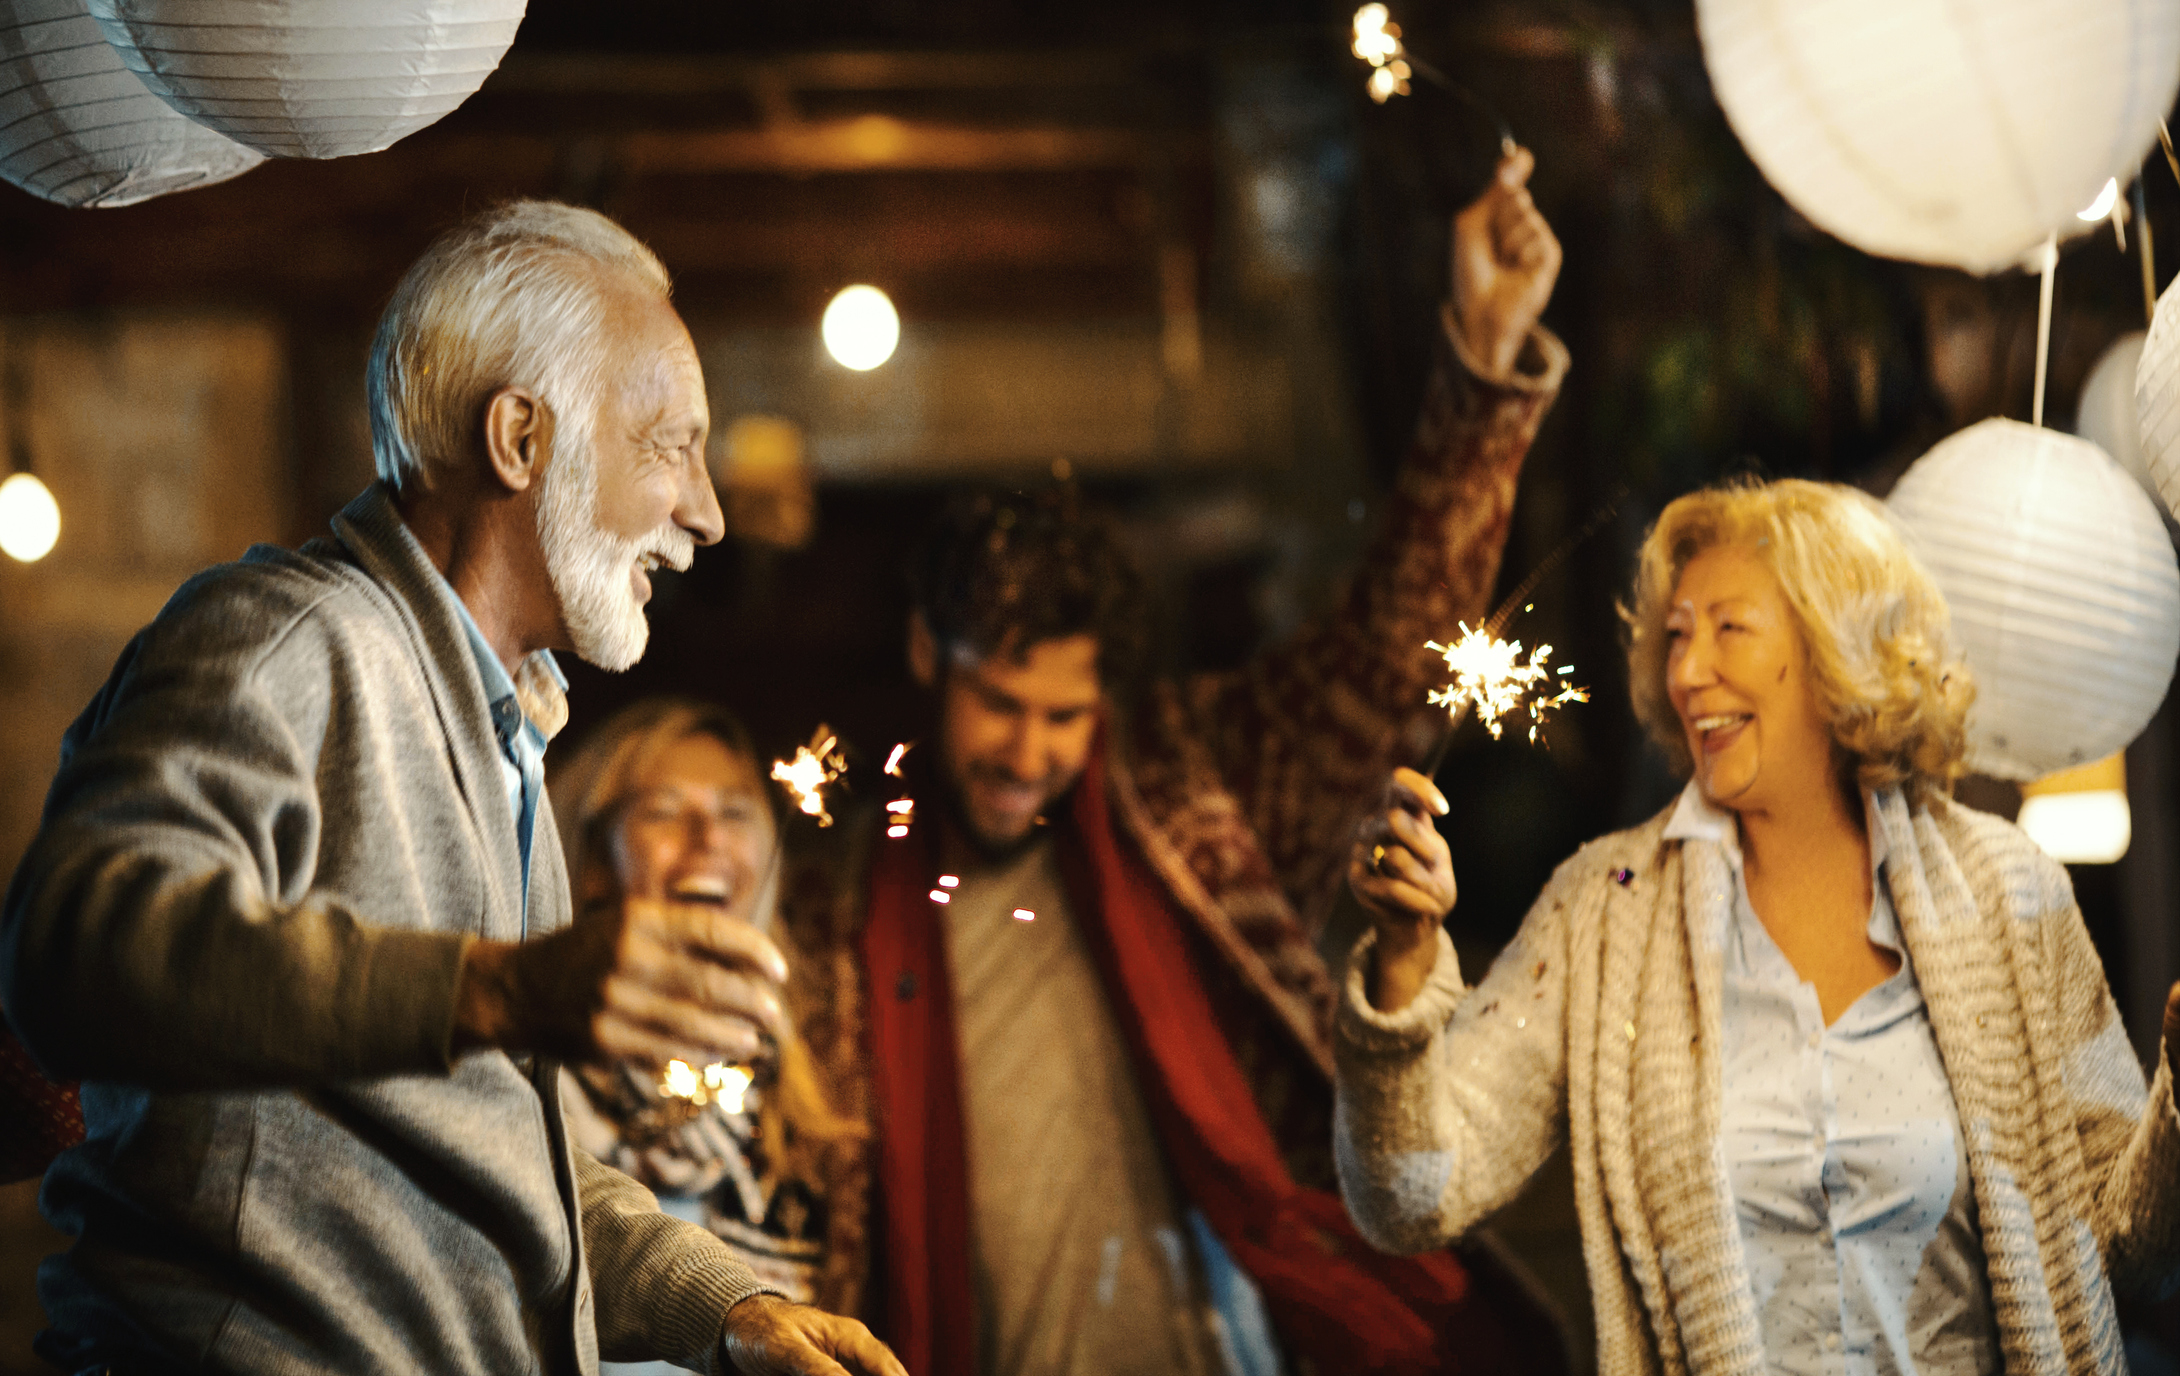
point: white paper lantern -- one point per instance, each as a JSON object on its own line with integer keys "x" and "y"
{"x": 312, "y": 78}
{"x": 1940, "y": 131}
{"x": 77, "y": 129}
{"x": 2106, "y": 415}
{"x": 2157, "y": 399}
{"x": 2063, "y": 586}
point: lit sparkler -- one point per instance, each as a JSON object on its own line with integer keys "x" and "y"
{"x": 893, "y": 761}
{"x": 721, "y": 1083}
{"x": 815, "y": 765}
{"x": 1376, "y": 40}
{"x": 1492, "y": 678}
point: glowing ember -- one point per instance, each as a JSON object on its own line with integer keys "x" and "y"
{"x": 941, "y": 896}
{"x": 815, "y": 765}
{"x": 1024, "y": 915}
{"x": 897, "y": 831}
{"x": 1377, "y": 42}
{"x": 1491, "y": 677}
{"x": 720, "y": 1083}
{"x": 949, "y": 881}
{"x": 893, "y": 761}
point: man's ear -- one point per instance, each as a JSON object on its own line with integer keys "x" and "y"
{"x": 923, "y": 651}
{"x": 518, "y": 437}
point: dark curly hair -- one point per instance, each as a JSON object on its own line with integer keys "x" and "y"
{"x": 999, "y": 572}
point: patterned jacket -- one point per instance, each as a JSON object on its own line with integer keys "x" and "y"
{"x": 1243, "y": 788}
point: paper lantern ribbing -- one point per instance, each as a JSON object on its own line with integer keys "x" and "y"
{"x": 1960, "y": 134}
{"x": 311, "y": 78}
{"x": 2106, "y": 415}
{"x": 2157, "y": 399}
{"x": 77, "y": 129}
{"x": 2063, "y": 586}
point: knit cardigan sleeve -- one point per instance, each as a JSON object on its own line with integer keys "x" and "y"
{"x": 664, "y": 1286}
{"x": 1446, "y": 1108}
{"x": 2130, "y": 1141}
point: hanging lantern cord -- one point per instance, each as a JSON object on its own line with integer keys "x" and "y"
{"x": 14, "y": 395}
{"x": 2043, "y": 327}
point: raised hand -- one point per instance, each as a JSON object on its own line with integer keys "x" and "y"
{"x": 639, "y": 981}
{"x": 767, "y": 1336}
{"x": 1402, "y": 872}
{"x": 1505, "y": 262}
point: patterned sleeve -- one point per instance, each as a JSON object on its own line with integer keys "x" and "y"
{"x": 1305, "y": 734}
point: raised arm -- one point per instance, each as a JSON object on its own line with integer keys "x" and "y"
{"x": 1305, "y": 734}
{"x": 1448, "y": 1099}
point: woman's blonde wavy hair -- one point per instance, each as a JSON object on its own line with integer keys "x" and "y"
{"x": 1878, "y": 634}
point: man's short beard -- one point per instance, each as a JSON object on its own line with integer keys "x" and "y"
{"x": 591, "y": 568}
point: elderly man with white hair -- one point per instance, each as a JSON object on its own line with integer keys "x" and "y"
{"x": 298, "y": 919}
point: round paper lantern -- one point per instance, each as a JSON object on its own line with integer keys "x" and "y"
{"x": 77, "y": 129}
{"x": 2064, "y": 591}
{"x": 311, "y": 78}
{"x": 2106, "y": 415}
{"x": 2157, "y": 399}
{"x": 1960, "y": 134}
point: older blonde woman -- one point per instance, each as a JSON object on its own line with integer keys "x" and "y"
{"x": 1845, "y": 1089}
{"x": 665, "y": 801}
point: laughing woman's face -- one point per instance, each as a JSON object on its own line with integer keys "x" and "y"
{"x": 697, "y": 829}
{"x": 1737, "y": 672}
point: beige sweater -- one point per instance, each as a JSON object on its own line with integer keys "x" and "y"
{"x": 1601, "y": 1022}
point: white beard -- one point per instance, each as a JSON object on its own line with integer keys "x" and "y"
{"x": 592, "y": 569}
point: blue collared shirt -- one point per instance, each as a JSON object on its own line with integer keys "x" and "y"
{"x": 1849, "y": 1173}
{"x": 522, "y": 744}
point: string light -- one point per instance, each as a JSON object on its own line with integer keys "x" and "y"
{"x": 861, "y": 329}
{"x": 30, "y": 520}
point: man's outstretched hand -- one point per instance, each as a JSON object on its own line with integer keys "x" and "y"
{"x": 633, "y": 981}
{"x": 767, "y": 1336}
{"x": 1505, "y": 260}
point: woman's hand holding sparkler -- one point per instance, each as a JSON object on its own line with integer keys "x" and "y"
{"x": 1402, "y": 872}
{"x": 1505, "y": 263}
{"x": 634, "y": 980}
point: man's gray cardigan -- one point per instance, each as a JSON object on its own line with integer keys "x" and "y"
{"x": 273, "y": 832}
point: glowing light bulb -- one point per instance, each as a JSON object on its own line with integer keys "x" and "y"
{"x": 30, "y": 520}
{"x": 2080, "y": 816}
{"x": 2079, "y": 828}
{"x": 861, "y": 328}
{"x": 2102, "y": 206}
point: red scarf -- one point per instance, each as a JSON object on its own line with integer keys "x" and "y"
{"x": 1332, "y": 1297}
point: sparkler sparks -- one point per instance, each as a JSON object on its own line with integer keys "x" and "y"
{"x": 893, "y": 761}
{"x": 726, "y": 1085}
{"x": 1377, "y": 42}
{"x": 815, "y": 765}
{"x": 1492, "y": 678}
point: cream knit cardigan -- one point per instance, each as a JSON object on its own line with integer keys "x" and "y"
{"x": 1601, "y": 1021}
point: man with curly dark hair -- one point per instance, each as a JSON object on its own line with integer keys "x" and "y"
{"x": 1080, "y": 998}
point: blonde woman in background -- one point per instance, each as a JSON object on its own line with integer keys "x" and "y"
{"x": 1845, "y": 1088}
{"x": 665, "y": 800}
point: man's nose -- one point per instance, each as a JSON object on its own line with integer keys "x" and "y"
{"x": 697, "y": 508}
